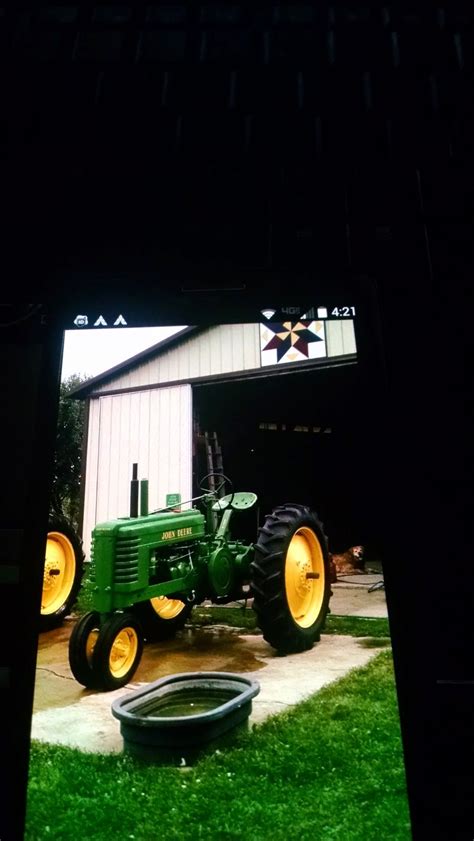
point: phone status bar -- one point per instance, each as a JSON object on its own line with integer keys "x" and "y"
{"x": 311, "y": 314}
{"x": 279, "y": 315}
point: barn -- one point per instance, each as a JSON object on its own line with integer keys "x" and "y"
{"x": 269, "y": 404}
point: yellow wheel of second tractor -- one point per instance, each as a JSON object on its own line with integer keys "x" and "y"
{"x": 290, "y": 578}
{"x": 161, "y": 618}
{"x": 63, "y": 569}
{"x": 117, "y": 651}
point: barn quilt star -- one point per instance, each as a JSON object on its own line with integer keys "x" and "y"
{"x": 290, "y": 335}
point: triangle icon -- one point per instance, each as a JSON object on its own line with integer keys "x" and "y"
{"x": 101, "y": 322}
{"x": 120, "y": 322}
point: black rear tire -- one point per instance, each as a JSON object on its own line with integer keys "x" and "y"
{"x": 118, "y": 651}
{"x": 290, "y": 578}
{"x": 63, "y": 572}
{"x": 162, "y": 619}
{"x": 81, "y": 649}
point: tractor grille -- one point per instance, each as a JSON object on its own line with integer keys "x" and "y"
{"x": 91, "y": 575}
{"x": 126, "y": 559}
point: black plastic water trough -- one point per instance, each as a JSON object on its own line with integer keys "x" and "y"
{"x": 183, "y": 713}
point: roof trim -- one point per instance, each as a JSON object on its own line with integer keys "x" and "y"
{"x": 235, "y": 376}
{"x": 85, "y": 389}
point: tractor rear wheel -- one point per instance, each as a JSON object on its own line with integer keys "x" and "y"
{"x": 81, "y": 649}
{"x": 290, "y": 578}
{"x": 118, "y": 651}
{"x": 63, "y": 571}
{"x": 161, "y": 618}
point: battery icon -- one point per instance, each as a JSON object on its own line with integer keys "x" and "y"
{"x": 322, "y": 312}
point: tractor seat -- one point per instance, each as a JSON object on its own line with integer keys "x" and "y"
{"x": 241, "y": 501}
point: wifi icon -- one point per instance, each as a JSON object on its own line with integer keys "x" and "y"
{"x": 268, "y": 313}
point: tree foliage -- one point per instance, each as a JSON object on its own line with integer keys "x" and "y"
{"x": 66, "y": 486}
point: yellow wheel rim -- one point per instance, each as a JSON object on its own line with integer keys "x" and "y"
{"x": 304, "y": 577}
{"x": 59, "y": 572}
{"x": 123, "y": 652}
{"x": 167, "y": 608}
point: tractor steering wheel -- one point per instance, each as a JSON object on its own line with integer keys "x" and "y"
{"x": 219, "y": 487}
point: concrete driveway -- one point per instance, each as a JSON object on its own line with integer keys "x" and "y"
{"x": 65, "y": 713}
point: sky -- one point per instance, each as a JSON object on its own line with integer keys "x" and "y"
{"x": 90, "y": 352}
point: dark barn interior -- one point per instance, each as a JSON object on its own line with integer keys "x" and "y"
{"x": 294, "y": 437}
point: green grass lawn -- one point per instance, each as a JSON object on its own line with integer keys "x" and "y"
{"x": 331, "y": 768}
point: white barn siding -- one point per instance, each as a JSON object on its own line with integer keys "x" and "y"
{"x": 219, "y": 350}
{"x": 152, "y": 428}
{"x": 340, "y": 337}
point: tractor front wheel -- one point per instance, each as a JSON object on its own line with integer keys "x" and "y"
{"x": 290, "y": 578}
{"x": 81, "y": 649}
{"x": 161, "y": 618}
{"x": 118, "y": 651}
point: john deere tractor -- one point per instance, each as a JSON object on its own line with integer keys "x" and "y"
{"x": 148, "y": 571}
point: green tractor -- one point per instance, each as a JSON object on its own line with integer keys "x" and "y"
{"x": 148, "y": 571}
